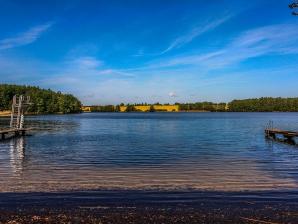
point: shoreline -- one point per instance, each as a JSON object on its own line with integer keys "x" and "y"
{"x": 7, "y": 114}
{"x": 127, "y": 206}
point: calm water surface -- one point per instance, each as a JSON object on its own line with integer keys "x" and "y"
{"x": 203, "y": 151}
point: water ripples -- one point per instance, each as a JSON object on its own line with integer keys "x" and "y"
{"x": 166, "y": 151}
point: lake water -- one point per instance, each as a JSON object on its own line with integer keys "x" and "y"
{"x": 163, "y": 151}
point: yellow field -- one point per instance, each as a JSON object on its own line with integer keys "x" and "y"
{"x": 86, "y": 109}
{"x": 168, "y": 108}
{"x": 142, "y": 108}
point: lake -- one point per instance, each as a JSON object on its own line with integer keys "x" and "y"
{"x": 160, "y": 151}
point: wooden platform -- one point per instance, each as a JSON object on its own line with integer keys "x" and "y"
{"x": 12, "y": 132}
{"x": 288, "y": 135}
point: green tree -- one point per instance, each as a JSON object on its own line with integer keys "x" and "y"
{"x": 117, "y": 108}
{"x": 130, "y": 108}
{"x": 151, "y": 109}
{"x": 43, "y": 101}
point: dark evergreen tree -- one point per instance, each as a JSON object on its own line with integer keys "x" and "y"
{"x": 151, "y": 109}
{"x": 130, "y": 108}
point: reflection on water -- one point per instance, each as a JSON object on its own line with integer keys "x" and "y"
{"x": 205, "y": 151}
{"x": 17, "y": 154}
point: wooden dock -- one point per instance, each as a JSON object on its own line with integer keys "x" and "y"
{"x": 12, "y": 132}
{"x": 288, "y": 136}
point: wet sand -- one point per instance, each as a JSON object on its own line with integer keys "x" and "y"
{"x": 149, "y": 207}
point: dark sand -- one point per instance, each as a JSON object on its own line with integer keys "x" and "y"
{"x": 149, "y": 207}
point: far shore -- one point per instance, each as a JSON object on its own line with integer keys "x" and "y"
{"x": 7, "y": 113}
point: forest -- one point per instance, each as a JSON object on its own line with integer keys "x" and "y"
{"x": 265, "y": 104}
{"x": 105, "y": 108}
{"x": 202, "y": 106}
{"x": 44, "y": 101}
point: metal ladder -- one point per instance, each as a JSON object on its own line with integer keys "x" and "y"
{"x": 19, "y": 104}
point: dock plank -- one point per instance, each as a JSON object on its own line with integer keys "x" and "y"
{"x": 282, "y": 132}
{"x": 14, "y": 132}
{"x": 10, "y": 130}
{"x": 288, "y": 136}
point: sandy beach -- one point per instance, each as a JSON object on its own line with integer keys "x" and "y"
{"x": 5, "y": 113}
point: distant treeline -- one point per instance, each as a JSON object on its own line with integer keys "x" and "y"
{"x": 265, "y": 104}
{"x": 200, "y": 106}
{"x": 116, "y": 108}
{"x": 43, "y": 101}
{"x": 106, "y": 108}
{"x": 127, "y": 108}
{"x": 207, "y": 106}
{"x": 203, "y": 106}
{"x": 48, "y": 102}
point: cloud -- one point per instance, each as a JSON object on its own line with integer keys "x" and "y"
{"x": 195, "y": 32}
{"x": 270, "y": 40}
{"x": 172, "y": 94}
{"x": 278, "y": 39}
{"x": 25, "y": 38}
{"x": 86, "y": 63}
{"x": 84, "y": 73}
{"x": 188, "y": 36}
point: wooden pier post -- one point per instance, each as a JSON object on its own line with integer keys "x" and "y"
{"x": 273, "y": 135}
{"x": 290, "y": 139}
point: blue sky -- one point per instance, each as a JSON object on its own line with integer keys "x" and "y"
{"x": 107, "y": 52}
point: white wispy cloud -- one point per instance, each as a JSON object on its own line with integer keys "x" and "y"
{"x": 196, "y": 32}
{"x": 189, "y": 36}
{"x": 89, "y": 66}
{"x": 278, "y": 39}
{"x": 25, "y": 38}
